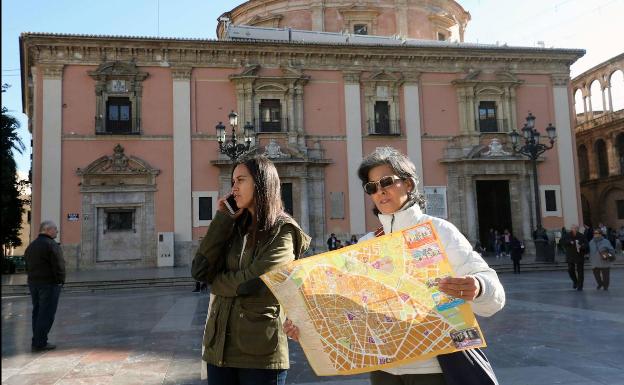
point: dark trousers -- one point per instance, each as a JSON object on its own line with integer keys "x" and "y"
{"x": 383, "y": 378}
{"x": 576, "y": 272}
{"x": 516, "y": 264}
{"x": 242, "y": 376}
{"x": 602, "y": 277}
{"x": 45, "y": 299}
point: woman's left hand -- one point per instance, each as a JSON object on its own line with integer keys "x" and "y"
{"x": 466, "y": 287}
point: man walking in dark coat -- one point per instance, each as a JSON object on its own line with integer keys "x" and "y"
{"x": 575, "y": 246}
{"x": 46, "y": 274}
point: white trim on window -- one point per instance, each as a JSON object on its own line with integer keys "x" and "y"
{"x": 557, "y": 190}
{"x": 203, "y": 194}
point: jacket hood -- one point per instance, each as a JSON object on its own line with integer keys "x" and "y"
{"x": 301, "y": 243}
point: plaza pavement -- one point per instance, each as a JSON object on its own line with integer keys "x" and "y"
{"x": 546, "y": 334}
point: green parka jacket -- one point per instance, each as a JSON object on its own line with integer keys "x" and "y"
{"x": 244, "y": 327}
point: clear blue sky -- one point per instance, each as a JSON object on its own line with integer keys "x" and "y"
{"x": 596, "y": 26}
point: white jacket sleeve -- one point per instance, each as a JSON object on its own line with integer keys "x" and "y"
{"x": 465, "y": 261}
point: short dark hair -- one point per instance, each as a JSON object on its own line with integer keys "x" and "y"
{"x": 267, "y": 189}
{"x": 401, "y": 165}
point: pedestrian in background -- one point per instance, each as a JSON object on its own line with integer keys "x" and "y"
{"x": 507, "y": 242}
{"x": 352, "y": 241}
{"x": 498, "y": 244}
{"x": 620, "y": 237}
{"x": 45, "y": 267}
{"x": 516, "y": 250}
{"x": 599, "y": 249}
{"x": 332, "y": 242}
{"x": 200, "y": 287}
{"x": 575, "y": 247}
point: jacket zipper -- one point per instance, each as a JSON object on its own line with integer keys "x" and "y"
{"x": 240, "y": 259}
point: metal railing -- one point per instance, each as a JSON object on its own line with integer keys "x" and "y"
{"x": 384, "y": 127}
{"x": 263, "y": 126}
{"x": 492, "y": 125}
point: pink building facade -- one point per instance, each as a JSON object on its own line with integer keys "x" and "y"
{"x": 125, "y": 149}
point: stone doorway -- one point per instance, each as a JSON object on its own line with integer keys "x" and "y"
{"x": 118, "y": 209}
{"x": 287, "y": 198}
{"x": 493, "y": 207}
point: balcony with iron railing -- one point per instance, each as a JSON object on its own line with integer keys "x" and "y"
{"x": 269, "y": 126}
{"x": 492, "y": 125}
{"x": 384, "y": 127}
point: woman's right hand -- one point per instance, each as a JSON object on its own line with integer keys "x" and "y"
{"x": 221, "y": 207}
{"x": 291, "y": 330}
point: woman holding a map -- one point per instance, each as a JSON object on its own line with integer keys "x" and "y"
{"x": 243, "y": 339}
{"x": 389, "y": 178}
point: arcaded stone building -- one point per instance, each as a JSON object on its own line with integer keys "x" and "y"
{"x": 125, "y": 147}
{"x": 599, "y": 130}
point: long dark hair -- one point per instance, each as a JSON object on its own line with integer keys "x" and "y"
{"x": 267, "y": 190}
{"x": 401, "y": 165}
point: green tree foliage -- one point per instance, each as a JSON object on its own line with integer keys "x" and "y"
{"x": 11, "y": 205}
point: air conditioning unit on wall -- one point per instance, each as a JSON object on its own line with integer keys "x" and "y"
{"x": 165, "y": 249}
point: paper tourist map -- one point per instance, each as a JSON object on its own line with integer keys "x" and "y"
{"x": 375, "y": 304}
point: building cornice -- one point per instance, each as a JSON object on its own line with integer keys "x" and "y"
{"x": 56, "y": 49}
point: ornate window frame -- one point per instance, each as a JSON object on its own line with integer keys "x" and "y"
{"x": 118, "y": 79}
{"x": 384, "y": 87}
{"x": 252, "y": 87}
{"x": 471, "y": 91}
{"x": 355, "y": 14}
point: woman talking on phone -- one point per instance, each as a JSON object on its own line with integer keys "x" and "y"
{"x": 389, "y": 179}
{"x": 243, "y": 339}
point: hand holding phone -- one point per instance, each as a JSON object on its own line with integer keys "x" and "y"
{"x": 230, "y": 203}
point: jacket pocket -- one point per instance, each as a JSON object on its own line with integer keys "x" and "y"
{"x": 258, "y": 329}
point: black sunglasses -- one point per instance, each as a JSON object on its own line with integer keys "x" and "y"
{"x": 371, "y": 187}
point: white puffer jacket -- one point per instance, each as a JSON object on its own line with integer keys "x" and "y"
{"x": 463, "y": 260}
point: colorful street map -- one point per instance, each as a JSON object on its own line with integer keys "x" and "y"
{"x": 375, "y": 304}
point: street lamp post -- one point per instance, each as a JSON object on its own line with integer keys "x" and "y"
{"x": 532, "y": 149}
{"x": 234, "y": 148}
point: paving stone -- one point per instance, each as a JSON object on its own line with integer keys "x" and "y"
{"x": 547, "y": 334}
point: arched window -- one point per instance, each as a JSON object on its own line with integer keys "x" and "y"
{"x": 579, "y": 106}
{"x": 596, "y": 98}
{"x": 600, "y": 149}
{"x": 617, "y": 90}
{"x": 619, "y": 150}
{"x": 583, "y": 162}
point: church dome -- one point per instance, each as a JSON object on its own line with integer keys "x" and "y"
{"x": 409, "y": 19}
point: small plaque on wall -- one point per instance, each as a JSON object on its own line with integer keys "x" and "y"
{"x": 436, "y": 205}
{"x": 337, "y": 205}
{"x": 73, "y": 217}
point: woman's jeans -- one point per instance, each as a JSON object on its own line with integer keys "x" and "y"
{"x": 241, "y": 376}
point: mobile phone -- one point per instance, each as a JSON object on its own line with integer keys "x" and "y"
{"x": 230, "y": 203}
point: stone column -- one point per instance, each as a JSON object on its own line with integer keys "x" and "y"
{"x": 589, "y": 106}
{"x": 570, "y": 194}
{"x": 612, "y": 156}
{"x": 35, "y": 204}
{"x": 51, "y": 145}
{"x": 318, "y": 15}
{"x": 305, "y": 204}
{"x": 353, "y": 119}
{"x": 413, "y": 130}
{"x": 592, "y": 161}
{"x": 610, "y": 97}
{"x": 182, "y": 194}
{"x": 401, "y": 18}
